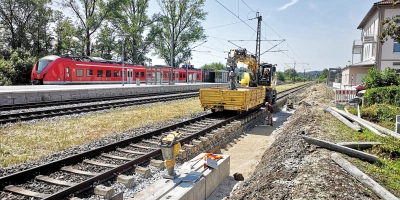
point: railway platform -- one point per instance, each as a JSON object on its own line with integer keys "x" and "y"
{"x": 45, "y": 93}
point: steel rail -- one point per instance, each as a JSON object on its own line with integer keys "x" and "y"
{"x": 24, "y": 116}
{"x": 73, "y": 101}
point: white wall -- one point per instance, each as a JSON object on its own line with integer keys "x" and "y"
{"x": 387, "y": 47}
{"x": 370, "y": 29}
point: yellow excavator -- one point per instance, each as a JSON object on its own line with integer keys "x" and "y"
{"x": 257, "y": 86}
{"x": 261, "y": 76}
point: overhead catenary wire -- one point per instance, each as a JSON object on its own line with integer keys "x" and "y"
{"x": 261, "y": 35}
{"x": 225, "y": 25}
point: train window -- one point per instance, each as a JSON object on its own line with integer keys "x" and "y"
{"x": 99, "y": 73}
{"x": 142, "y": 74}
{"x": 116, "y": 73}
{"x": 184, "y": 75}
{"x": 137, "y": 74}
{"x": 79, "y": 72}
{"x": 108, "y": 73}
{"x": 180, "y": 76}
{"x": 165, "y": 75}
{"x": 89, "y": 72}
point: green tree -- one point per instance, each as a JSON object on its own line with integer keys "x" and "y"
{"x": 281, "y": 76}
{"x": 24, "y": 22}
{"x": 391, "y": 27}
{"x": 177, "y": 27}
{"x": 91, "y": 14}
{"x": 290, "y": 73}
{"x": 17, "y": 69}
{"x": 214, "y": 66}
{"x": 377, "y": 78}
{"x": 324, "y": 74}
{"x": 105, "y": 44}
{"x": 132, "y": 21}
{"x": 65, "y": 33}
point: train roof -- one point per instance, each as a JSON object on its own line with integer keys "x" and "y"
{"x": 50, "y": 57}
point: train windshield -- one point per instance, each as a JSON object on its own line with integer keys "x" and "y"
{"x": 43, "y": 62}
{"x": 42, "y": 65}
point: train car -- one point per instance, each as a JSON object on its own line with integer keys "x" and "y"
{"x": 56, "y": 70}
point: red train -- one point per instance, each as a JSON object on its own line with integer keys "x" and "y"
{"x": 53, "y": 70}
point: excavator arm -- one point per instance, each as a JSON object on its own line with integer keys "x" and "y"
{"x": 240, "y": 55}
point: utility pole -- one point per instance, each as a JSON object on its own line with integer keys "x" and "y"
{"x": 122, "y": 57}
{"x": 172, "y": 54}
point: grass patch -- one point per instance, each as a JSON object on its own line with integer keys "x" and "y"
{"x": 387, "y": 172}
{"x": 382, "y": 114}
{"x": 25, "y": 142}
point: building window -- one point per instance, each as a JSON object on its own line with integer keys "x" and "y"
{"x": 396, "y": 47}
{"x": 99, "y": 73}
{"x": 89, "y": 72}
{"x": 108, "y": 73}
{"x": 116, "y": 73}
{"x": 79, "y": 72}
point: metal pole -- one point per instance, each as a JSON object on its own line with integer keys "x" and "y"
{"x": 187, "y": 77}
{"x": 123, "y": 73}
{"x": 172, "y": 54}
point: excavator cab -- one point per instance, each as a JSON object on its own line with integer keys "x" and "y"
{"x": 266, "y": 73}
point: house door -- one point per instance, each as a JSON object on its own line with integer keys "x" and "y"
{"x": 130, "y": 76}
{"x": 67, "y": 74}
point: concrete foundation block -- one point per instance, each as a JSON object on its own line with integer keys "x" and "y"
{"x": 198, "y": 143}
{"x": 190, "y": 148}
{"x": 157, "y": 163}
{"x": 182, "y": 154}
{"x": 105, "y": 192}
{"x": 145, "y": 172}
{"x": 119, "y": 196}
{"x": 188, "y": 191}
{"x": 205, "y": 141}
{"x": 211, "y": 137}
{"x": 128, "y": 181}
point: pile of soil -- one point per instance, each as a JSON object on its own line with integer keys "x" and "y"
{"x": 294, "y": 169}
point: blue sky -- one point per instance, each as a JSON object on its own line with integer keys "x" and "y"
{"x": 319, "y": 33}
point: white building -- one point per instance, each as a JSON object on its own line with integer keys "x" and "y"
{"x": 372, "y": 53}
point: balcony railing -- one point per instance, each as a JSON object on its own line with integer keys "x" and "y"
{"x": 357, "y": 46}
{"x": 369, "y": 39}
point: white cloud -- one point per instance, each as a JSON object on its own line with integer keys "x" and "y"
{"x": 288, "y": 5}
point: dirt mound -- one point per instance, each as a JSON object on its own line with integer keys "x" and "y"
{"x": 293, "y": 169}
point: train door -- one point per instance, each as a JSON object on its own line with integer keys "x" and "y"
{"x": 158, "y": 77}
{"x": 130, "y": 76}
{"x": 67, "y": 74}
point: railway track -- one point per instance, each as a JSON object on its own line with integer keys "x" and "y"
{"x": 22, "y": 115}
{"x": 70, "y": 176}
{"x": 78, "y": 101}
